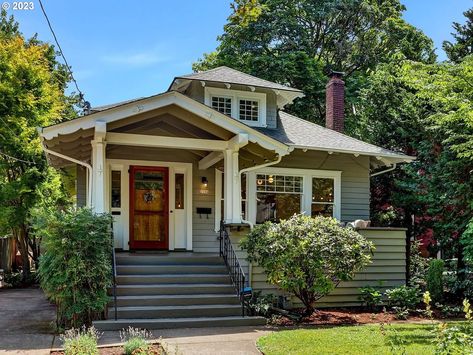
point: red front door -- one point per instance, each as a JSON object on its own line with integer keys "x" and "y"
{"x": 149, "y": 207}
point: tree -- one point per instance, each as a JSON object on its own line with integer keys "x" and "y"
{"x": 32, "y": 85}
{"x": 463, "y": 36}
{"x": 298, "y": 42}
{"x": 424, "y": 110}
{"x": 307, "y": 256}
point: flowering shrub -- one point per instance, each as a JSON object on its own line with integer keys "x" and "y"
{"x": 307, "y": 256}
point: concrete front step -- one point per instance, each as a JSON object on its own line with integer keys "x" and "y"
{"x": 174, "y": 279}
{"x": 173, "y": 289}
{"x": 170, "y": 269}
{"x": 167, "y": 323}
{"x": 156, "y": 312}
{"x": 170, "y": 259}
{"x": 176, "y": 300}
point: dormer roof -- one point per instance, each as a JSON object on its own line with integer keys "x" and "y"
{"x": 228, "y": 75}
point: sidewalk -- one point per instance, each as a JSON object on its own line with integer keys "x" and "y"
{"x": 26, "y": 322}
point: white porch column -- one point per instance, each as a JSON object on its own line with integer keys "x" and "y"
{"x": 99, "y": 168}
{"x": 227, "y": 183}
{"x": 232, "y": 198}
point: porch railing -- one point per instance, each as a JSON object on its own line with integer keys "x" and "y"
{"x": 114, "y": 277}
{"x": 237, "y": 274}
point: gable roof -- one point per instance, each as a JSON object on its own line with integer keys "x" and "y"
{"x": 299, "y": 133}
{"x": 231, "y": 76}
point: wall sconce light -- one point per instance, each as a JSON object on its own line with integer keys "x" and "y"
{"x": 205, "y": 182}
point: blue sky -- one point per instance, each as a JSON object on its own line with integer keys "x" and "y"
{"x": 126, "y": 49}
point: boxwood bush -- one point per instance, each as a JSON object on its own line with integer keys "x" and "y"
{"x": 307, "y": 256}
{"x": 75, "y": 268}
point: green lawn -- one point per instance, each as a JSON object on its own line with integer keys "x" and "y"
{"x": 364, "y": 339}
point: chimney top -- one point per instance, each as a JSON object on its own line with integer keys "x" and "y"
{"x": 334, "y": 101}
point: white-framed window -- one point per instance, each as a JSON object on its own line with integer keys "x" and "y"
{"x": 281, "y": 192}
{"x": 222, "y": 104}
{"x": 248, "y": 107}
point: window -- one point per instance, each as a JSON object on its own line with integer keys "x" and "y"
{"x": 246, "y": 106}
{"x": 277, "y": 197}
{"x": 248, "y": 110}
{"x": 322, "y": 197}
{"x": 179, "y": 191}
{"x": 116, "y": 189}
{"x": 222, "y": 104}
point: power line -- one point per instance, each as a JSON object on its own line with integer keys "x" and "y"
{"x": 85, "y": 104}
{"x": 17, "y": 159}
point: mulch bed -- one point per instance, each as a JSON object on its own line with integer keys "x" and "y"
{"x": 344, "y": 317}
{"x": 155, "y": 349}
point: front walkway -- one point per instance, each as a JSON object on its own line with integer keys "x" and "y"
{"x": 26, "y": 322}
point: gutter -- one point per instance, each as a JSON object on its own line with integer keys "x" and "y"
{"x": 73, "y": 160}
{"x": 384, "y": 171}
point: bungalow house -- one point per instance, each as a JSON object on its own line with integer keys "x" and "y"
{"x": 186, "y": 172}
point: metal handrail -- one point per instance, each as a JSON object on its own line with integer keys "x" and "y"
{"x": 235, "y": 270}
{"x": 114, "y": 274}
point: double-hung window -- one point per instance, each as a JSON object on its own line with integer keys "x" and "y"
{"x": 246, "y": 106}
{"x": 323, "y": 190}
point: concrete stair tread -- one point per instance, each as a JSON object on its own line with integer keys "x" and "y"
{"x": 175, "y": 285}
{"x": 190, "y": 307}
{"x": 202, "y": 295}
{"x": 173, "y": 275}
{"x": 191, "y": 322}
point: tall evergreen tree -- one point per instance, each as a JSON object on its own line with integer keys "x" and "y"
{"x": 463, "y": 35}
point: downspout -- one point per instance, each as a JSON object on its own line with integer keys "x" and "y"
{"x": 384, "y": 171}
{"x": 65, "y": 157}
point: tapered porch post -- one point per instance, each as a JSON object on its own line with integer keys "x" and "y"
{"x": 232, "y": 205}
{"x": 99, "y": 168}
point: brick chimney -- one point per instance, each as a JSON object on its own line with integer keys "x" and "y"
{"x": 335, "y": 102}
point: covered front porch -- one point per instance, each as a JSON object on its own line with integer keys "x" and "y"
{"x": 168, "y": 169}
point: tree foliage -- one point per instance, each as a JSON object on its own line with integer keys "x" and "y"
{"x": 307, "y": 256}
{"x": 463, "y": 39}
{"x": 298, "y": 42}
{"x": 32, "y": 85}
{"x": 75, "y": 270}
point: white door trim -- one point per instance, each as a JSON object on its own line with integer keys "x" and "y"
{"x": 186, "y": 168}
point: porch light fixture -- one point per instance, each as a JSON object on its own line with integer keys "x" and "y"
{"x": 205, "y": 182}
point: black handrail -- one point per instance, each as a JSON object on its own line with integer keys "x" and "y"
{"x": 237, "y": 274}
{"x": 114, "y": 275}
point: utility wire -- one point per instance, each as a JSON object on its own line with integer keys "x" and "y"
{"x": 17, "y": 159}
{"x": 84, "y": 103}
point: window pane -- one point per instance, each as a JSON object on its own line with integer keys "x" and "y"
{"x": 279, "y": 183}
{"x": 222, "y": 104}
{"x": 322, "y": 210}
{"x": 276, "y": 206}
{"x": 179, "y": 188}
{"x": 322, "y": 190}
{"x": 116, "y": 189}
{"x": 248, "y": 110}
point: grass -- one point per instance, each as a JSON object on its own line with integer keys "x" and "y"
{"x": 363, "y": 339}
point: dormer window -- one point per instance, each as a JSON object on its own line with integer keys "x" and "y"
{"x": 222, "y": 104}
{"x": 248, "y": 107}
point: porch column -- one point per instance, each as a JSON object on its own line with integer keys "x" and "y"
{"x": 99, "y": 168}
{"x": 232, "y": 198}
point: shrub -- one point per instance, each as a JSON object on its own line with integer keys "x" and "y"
{"x": 370, "y": 297}
{"x": 307, "y": 256}
{"x": 261, "y": 304}
{"x": 80, "y": 341}
{"x": 135, "y": 340}
{"x": 403, "y": 297}
{"x": 418, "y": 266}
{"x": 75, "y": 269}
{"x": 434, "y": 279}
